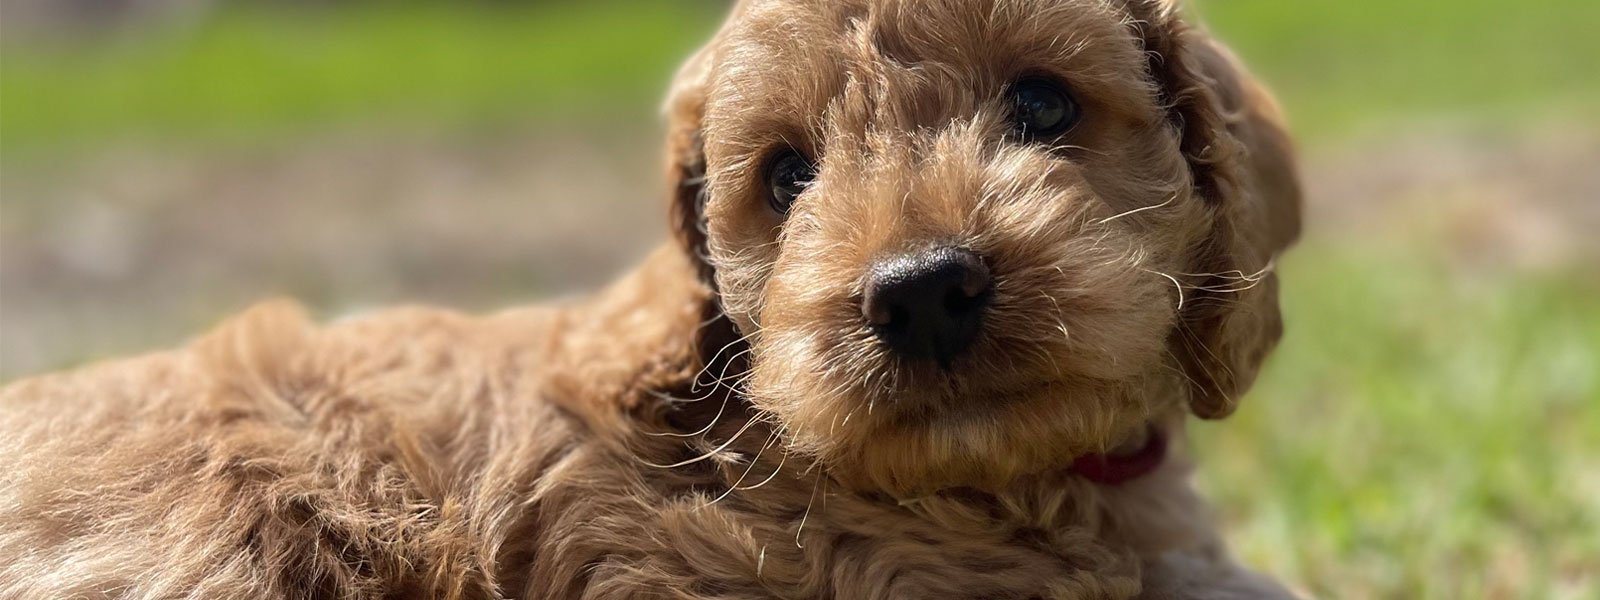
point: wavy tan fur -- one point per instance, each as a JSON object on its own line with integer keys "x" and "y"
{"x": 718, "y": 424}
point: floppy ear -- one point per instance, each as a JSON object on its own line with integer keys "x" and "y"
{"x": 717, "y": 342}
{"x": 1242, "y": 163}
{"x": 686, "y": 161}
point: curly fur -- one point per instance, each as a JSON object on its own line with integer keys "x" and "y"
{"x": 718, "y": 424}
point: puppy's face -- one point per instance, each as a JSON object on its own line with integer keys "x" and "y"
{"x": 957, "y": 234}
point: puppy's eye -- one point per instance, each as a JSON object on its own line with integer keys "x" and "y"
{"x": 788, "y": 175}
{"x": 1041, "y": 108}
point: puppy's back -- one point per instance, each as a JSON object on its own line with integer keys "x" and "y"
{"x": 273, "y": 459}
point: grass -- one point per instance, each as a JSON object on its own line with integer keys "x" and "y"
{"x": 251, "y": 71}
{"x": 254, "y": 72}
{"x": 1425, "y": 431}
{"x": 1342, "y": 65}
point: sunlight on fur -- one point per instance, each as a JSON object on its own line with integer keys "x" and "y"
{"x": 753, "y": 412}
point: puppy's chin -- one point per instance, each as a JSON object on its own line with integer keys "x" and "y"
{"x": 912, "y": 443}
{"x": 1024, "y": 398}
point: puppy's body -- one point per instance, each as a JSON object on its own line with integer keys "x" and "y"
{"x": 424, "y": 454}
{"x": 722, "y": 423}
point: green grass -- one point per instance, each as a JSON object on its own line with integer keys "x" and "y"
{"x": 249, "y": 73}
{"x": 1423, "y": 432}
{"x": 1348, "y": 64}
{"x": 253, "y": 73}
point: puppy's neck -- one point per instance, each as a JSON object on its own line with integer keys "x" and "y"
{"x": 1137, "y": 456}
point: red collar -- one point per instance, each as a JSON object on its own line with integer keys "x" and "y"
{"x": 1112, "y": 470}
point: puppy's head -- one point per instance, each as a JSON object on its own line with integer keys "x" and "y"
{"x": 967, "y": 240}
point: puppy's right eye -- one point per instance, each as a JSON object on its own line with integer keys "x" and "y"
{"x": 1042, "y": 109}
{"x": 787, "y": 176}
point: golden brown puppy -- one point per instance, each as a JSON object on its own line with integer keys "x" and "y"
{"x": 948, "y": 277}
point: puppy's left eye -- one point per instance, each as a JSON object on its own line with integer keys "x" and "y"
{"x": 787, "y": 176}
{"x": 1042, "y": 108}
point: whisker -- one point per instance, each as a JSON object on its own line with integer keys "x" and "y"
{"x": 1223, "y": 289}
{"x": 1177, "y": 370}
{"x": 1136, "y": 211}
{"x": 674, "y": 399}
{"x": 702, "y": 430}
{"x": 1237, "y": 274}
{"x": 712, "y": 452}
{"x": 1207, "y": 349}
{"x": 694, "y": 383}
{"x": 1175, "y": 284}
{"x": 753, "y": 461}
{"x": 774, "y": 474}
{"x": 721, "y": 382}
{"x": 807, "y": 515}
{"x": 1078, "y": 149}
{"x": 722, "y": 377}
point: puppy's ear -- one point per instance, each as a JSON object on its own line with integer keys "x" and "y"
{"x": 686, "y": 161}
{"x": 716, "y": 340}
{"x": 1242, "y": 164}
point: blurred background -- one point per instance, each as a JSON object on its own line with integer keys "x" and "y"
{"x": 1427, "y": 430}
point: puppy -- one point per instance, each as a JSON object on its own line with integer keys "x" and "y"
{"x": 947, "y": 278}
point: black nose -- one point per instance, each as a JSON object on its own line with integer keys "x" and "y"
{"x": 927, "y": 304}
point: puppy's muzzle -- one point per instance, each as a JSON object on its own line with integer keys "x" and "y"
{"x": 928, "y": 304}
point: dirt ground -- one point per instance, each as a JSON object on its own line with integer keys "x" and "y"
{"x": 139, "y": 248}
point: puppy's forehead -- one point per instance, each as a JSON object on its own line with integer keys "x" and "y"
{"x": 783, "y": 62}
